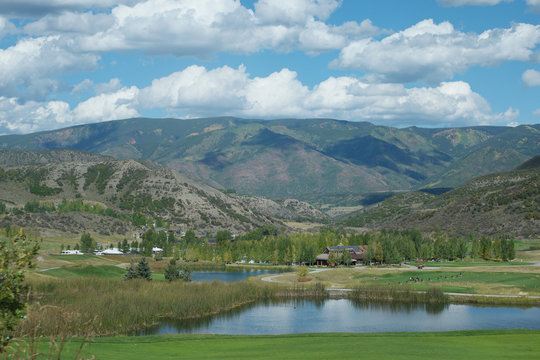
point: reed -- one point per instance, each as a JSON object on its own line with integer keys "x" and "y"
{"x": 125, "y": 306}
{"x": 399, "y": 293}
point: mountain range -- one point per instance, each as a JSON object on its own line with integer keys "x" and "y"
{"x": 318, "y": 160}
{"x": 115, "y": 191}
{"x": 505, "y": 203}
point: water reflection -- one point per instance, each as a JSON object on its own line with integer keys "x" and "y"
{"x": 229, "y": 275}
{"x": 399, "y": 307}
{"x": 341, "y": 315}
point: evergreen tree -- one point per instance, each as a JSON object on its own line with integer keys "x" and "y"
{"x": 143, "y": 270}
{"x": 87, "y": 243}
{"x": 185, "y": 273}
{"x": 125, "y": 246}
{"x": 172, "y": 272}
{"x": 131, "y": 271}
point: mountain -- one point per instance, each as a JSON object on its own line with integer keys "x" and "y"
{"x": 122, "y": 188}
{"x": 502, "y": 203}
{"x": 319, "y": 160}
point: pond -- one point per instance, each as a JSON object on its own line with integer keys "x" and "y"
{"x": 342, "y": 315}
{"x": 230, "y": 275}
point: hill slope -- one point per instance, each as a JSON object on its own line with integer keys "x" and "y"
{"x": 311, "y": 159}
{"x": 128, "y": 187}
{"x": 504, "y": 203}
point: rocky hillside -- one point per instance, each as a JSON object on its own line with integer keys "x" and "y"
{"x": 504, "y": 203}
{"x": 320, "y": 160}
{"x": 125, "y": 189}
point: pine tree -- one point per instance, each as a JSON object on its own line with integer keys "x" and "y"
{"x": 172, "y": 272}
{"x": 131, "y": 273}
{"x": 143, "y": 270}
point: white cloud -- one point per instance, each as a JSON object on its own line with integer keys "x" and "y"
{"x": 531, "y": 78}
{"x": 6, "y": 27}
{"x": 202, "y": 27}
{"x": 118, "y": 105}
{"x": 37, "y": 8}
{"x": 70, "y": 23}
{"x": 28, "y": 69}
{"x": 472, "y": 2}
{"x": 434, "y": 52}
{"x": 533, "y": 3}
{"x": 32, "y": 116}
{"x": 196, "y": 92}
{"x": 294, "y": 12}
{"x": 536, "y": 112}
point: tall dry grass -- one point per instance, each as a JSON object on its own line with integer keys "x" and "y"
{"x": 123, "y": 306}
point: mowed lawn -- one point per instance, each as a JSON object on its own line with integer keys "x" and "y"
{"x": 477, "y": 345}
{"x": 459, "y": 281}
{"x": 101, "y": 271}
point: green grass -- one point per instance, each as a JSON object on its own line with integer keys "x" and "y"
{"x": 478, "y": 345}
{"x": 452, "y": 282}
{"x": 472, "y": 263}
{"x": 74, "y": 257}
{"x": 101, "y": 271}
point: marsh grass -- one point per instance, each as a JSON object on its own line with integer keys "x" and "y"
{"x": 398, "y": 293}
{"x": 124, "y": 306}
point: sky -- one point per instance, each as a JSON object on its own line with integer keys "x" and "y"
{"x": 426, "y": 63}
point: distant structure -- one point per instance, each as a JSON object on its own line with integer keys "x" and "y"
{"x": 356, "y": 251}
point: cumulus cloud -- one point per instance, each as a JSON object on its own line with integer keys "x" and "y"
{"x": 202, "y": 27}
{"x": 32, "y": 116}
{"x": 6, "y": 27}
{"x": 531, "y": 78}
{"x": 197, "y": 92}
{"x": 28, "y": 69}
{"x": 472, "y": 2}
{"x": 37, "y": 8}
{"x": 434, "y": 52}
{"x": 70, "y": 23}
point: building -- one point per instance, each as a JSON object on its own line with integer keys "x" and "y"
{"x": 356, "y": 252}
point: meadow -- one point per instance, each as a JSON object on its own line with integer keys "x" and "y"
{"x": 478, "y": 345}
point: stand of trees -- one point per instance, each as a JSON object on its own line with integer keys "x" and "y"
{"x": 267, "y": 244}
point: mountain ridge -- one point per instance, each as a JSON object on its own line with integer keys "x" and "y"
{"x": 308, "y": 159}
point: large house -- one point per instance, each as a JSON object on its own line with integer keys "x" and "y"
{"x": 356, "y": 252}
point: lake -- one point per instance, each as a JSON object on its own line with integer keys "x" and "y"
{"x": 230, "y": 275}
{"x": 342, "y": 315}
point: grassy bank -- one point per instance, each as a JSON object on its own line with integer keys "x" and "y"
{"x": 478, "y": 345}
{"x": 101, "y": 306}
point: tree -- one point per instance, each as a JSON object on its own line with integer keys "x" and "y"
{"x": 461, "y": 248}
{"x": 171, "y": 271}
{"x": 347, "y": 258}
{"x": 189, "y": 238}
{"x": 223, "y": 237}
{"x": 185, "y": 273}
{"x": 143, "y": 270}
{"x": 378, "y": 252}
{"x": 16, "y": 255}
{"x": 131, "y": 271}
{"x": 87, "y": 243}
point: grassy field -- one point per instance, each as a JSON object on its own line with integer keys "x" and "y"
{"x": 462, "y": 281}
{"x": 453, "y": 264}
{"x": 478, "y": 345}
{"x": 512, "y": 280}
{"x": 101, "y": 271}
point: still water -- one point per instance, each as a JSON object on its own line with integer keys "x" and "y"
{"x": 229, "y": 275}
{"x": 306, "y": 316}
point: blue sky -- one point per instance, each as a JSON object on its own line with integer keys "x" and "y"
{"x": 429, "y": 63}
